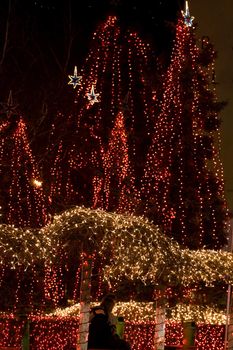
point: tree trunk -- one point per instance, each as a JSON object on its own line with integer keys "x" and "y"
{"x": 229, "y": 311}
{"x": 85, "y": 294}
{"x": 160, "y": 325}
{"x": 26, "y": 336}
{"x": 229, "y": 321}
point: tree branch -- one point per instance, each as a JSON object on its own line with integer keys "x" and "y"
{"x": 6, "y": 35}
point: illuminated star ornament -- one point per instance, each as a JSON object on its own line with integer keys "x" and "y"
{"x": 188, "y": 20}
{"x": 75, "y": 79}
{"x": 92, "y": 96}
{"x": 9, "y": 108}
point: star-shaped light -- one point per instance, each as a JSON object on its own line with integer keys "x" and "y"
{"x": 9, "y": 108}
{"x": 75, "y": 79}
{"x": 188, "y": 20}
{"x": 92, "y": 96}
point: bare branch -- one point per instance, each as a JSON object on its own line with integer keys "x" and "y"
{"x": 6, "y": 35}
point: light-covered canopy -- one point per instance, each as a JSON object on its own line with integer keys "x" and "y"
{"x": 133, "y": 248}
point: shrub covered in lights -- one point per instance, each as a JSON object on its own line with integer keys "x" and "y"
{"x": 133, "y": 250}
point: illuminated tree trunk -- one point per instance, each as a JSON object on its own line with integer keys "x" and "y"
{"x": 229, "y": 317}
{"x": 229, "y": 321}
{"x": 229, "y": 325}
{"x": 85, "y": 293}
{"x": 160, "y": 325}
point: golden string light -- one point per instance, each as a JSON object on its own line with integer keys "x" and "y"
{"x": 23, "y": 247}
{"x": 134, "y": 311}
{"x": 141, "y": 251}
{"x": 132, "y": 236}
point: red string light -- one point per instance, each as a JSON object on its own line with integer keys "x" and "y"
{"x": 183, "y": 178}
{"x": 78, "y": 158}
{"x": 48, "y": 333}
{"x": 26, "y": 204}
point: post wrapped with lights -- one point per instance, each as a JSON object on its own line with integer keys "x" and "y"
{"x": 160, "y": 327}
{"x": 85, "y": 299}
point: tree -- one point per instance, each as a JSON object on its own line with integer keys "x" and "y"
{"x": 119, "y": 192}
{"x": 21, "y": 187}
{"x": 115, "y": 77}
{"x": 183, "y": 183}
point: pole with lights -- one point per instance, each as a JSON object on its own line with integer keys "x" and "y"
{"x": 85, "y": 299}
{"x": 228, "y": 345}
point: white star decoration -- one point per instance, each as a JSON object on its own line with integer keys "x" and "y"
{"x": 188, "y": 20}
{"x": 75, "y": 79}
{"x": 9, "y": 108}
{"x": 92, "y": 96}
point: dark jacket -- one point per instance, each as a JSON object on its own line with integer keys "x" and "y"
{"x": 101, "y": 335}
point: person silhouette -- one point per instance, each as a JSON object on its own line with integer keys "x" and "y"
{"x": 102, "y": 329}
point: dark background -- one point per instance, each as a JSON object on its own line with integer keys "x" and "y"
{"x": 42, "y": 40}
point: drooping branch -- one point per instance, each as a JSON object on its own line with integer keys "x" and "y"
{"x": 6, "y": 39}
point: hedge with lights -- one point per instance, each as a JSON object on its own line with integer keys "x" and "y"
{"x": 134, "y": 249}
{"x": 23, "y": 247}
{"x": 145, "y": 312}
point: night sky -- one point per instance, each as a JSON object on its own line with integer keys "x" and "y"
{"x": 36, "y": 60}
{"x": 46, "y": 38}
{"x": 150, "y": 18}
